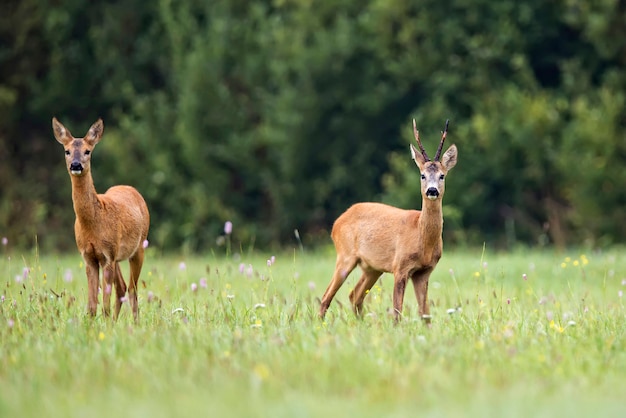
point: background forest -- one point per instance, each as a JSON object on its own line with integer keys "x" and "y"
{"x": 278, "y": 115}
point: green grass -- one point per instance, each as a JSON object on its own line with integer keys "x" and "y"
{"x": 549, "y": 344}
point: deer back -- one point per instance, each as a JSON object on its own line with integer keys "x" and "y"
{"x": 377, "y": 234}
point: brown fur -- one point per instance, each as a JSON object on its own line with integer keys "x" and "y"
{"x": 109, "y": 227}
{"x": 381, "y": 238}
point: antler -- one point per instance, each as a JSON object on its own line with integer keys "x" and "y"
{"x": 443, "y": 138}
{"x": 419, "y": 143}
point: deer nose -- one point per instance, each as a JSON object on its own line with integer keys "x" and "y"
{"x": 76, "y": 167}
{"x": 432, "y": 192}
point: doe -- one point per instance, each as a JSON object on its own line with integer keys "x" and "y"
{"x": 109, "y": 227}
{"x": 381, "y": 238}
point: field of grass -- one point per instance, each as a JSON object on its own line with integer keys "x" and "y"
{"x": 533, "y": 333}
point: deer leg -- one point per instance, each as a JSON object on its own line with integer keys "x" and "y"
{"x": 342, "y": 270}
{"x": 108, "y": 277}
{"x": 399, "y": 287}
{"x": 93, "y": 279}
{"x": 120, "y": 289}
{"x": 420, "y": 285}
{"x": 363, "y": 286}
{"x": 136, "y": 262}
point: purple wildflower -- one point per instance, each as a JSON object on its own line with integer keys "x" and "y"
{"x": 145, "y": 243}
{"x": 203, "y": 282}
{"x": 228, "y": 228}
{"x": 194, "y": 287}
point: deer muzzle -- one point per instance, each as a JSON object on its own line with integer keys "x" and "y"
{"x": 432, "y": 193}
{"x": 76, "y": 168}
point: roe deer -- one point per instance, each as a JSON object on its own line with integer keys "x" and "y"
{"x": 381, "y": 238}
{"x": 109, "y": 227}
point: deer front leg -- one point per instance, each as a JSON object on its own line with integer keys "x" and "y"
{"x": 108, "y": 278}
{"x": 398, "y": 294}
{"x": 93, "y": 271}
{"x": 120, "y": 289}
{"x": 420, "y": 285}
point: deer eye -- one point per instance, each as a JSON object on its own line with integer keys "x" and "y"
{"x": 87, "y": 152}
{"x": 423, "y": 177}
{"x": 441, "y": 177}
{"x": 67, "y": 152}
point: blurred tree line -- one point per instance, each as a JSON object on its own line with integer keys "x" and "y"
{"x": 277, "y": 115}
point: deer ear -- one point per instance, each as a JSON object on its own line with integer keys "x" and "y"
{"x": 417, "y": 157}
{"x": 449, "y": 158}
{"x": 95, "y": 132}
{"x": 60, "y": 132}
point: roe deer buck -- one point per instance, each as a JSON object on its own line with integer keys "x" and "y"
{"x": 109, "y": 227}
{"x": 381, "y": 238}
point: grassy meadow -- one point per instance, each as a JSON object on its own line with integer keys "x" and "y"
{"x": 530, "y": 333}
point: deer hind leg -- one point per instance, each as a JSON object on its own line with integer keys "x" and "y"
{"x": 136, "y": 262}
{"x": 93, "y": 279}
{"x": 343, "y": 267}
{"x": 120, "y": 289}
{"x": 108, "y": 278}
{"x": 363, "y": 286}
{"x": 420, "y": 285}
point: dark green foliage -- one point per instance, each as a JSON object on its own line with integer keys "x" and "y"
{"x": 278, "y": 115}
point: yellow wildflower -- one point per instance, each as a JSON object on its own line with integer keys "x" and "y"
{"x": 261, "y": 371}
{"x": 556, "y": 327}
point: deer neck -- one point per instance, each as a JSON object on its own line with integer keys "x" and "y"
{"x": 430, "y": 224}
{"x": 85, "y": 199}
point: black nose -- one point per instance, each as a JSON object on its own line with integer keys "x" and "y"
{"x": 76, "y": 167}
{"x": 432, "y": 192}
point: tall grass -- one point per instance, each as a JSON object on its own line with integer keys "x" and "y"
{"x": 525, "y": 334}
